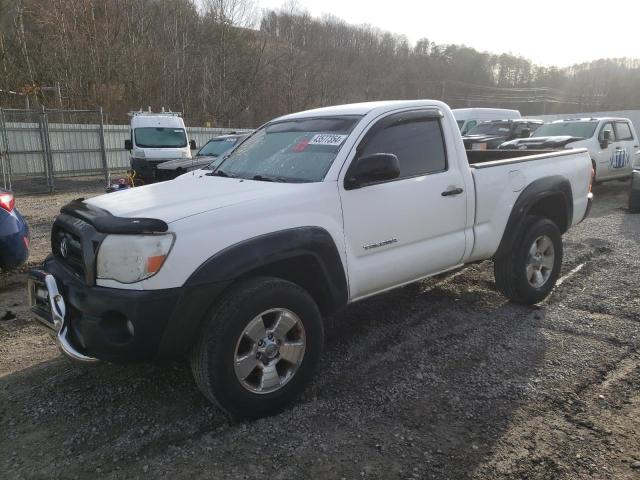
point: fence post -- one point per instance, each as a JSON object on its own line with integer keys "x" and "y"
{"x": 51, "y": 183}
{"x": 103, "y": 151}
{"x": 4, "y": 151}
{"x": 43, "y": 142}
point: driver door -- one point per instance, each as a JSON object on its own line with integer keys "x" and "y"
{"x": 403, "y": 229}
{"x": 607, "y": 156}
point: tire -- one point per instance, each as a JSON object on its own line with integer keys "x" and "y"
{"x": 225, "y": 346}
{"x": 513, "y": 270}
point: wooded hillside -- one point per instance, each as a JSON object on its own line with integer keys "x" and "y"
{"x": 223, "y": 62}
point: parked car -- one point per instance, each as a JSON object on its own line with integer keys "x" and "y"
{"x": 490, "y": 135}
{"x": 238, "y": 266}
{"x": 468, "y": 118}
{"x": 209, "y": 156}
{"x": 14, "y": 233}
{"x": 156, "y": 138}
{"x": 612, "y": 143}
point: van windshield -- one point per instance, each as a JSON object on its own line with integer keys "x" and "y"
{"x": 160, "y": 137}
{"x": 571, "y": 129}
{"x": 299, "y": 150}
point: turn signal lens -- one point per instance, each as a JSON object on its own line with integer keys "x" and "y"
{"x": 154, "y": 263}
{"x": 593, "y": 175}
{"x": 7, "y": 202}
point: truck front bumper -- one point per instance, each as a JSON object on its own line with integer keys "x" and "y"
{"x": 96, "y": 323}
{"x": 589, "y": 205}
{"x": 146, "y": 170}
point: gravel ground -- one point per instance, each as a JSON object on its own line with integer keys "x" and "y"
{"x": 441, "y": 379}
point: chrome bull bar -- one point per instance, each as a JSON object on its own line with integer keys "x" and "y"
{"x": 47, "y": 303}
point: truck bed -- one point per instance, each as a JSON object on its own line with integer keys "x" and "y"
{"x": 501, "y": 176}
{"x": 476, "y": 157}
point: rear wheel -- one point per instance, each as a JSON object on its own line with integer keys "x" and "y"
{"x": 259, "y": 348}
{"x": 528, "y": 273}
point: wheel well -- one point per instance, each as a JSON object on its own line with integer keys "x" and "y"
{"x": 553, "y": 207}
{"x": 305, "y": 271}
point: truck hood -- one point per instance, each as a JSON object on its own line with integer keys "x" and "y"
{"x": 540, "y": 143}
{"x": 173, "y": 200}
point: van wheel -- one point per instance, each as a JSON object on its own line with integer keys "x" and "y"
{"x": 528, "y": 273}
{"x": 259, "y": 347}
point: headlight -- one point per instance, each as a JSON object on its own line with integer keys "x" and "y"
{"x": 131, "y": 258}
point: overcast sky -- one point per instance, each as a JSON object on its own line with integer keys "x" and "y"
{"x": 549, "y": 32}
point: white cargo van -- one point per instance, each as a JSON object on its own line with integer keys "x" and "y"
{"x": 468, "y": 118}
{"x": 156, "y": 138}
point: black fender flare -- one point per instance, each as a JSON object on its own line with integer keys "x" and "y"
{"x": 541, "y": 189}
{"x": 257, "y": 253}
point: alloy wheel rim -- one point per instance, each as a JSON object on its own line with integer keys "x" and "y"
{"x": 269, "y": 351}
{"x": 540, "y": 261}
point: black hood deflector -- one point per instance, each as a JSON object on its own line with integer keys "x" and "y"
{"x": 105, "y": 222}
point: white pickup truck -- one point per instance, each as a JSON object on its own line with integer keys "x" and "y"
{"x": 612, "y": 143}
{"x": 236, "y": 267}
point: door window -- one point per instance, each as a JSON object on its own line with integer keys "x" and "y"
{"x": 470, "y": 125}
{"x": 418, "y": 144}
{"x": 519, "y": 128}
{"x": 608, "y": 128}
{"x": 534, "y": 126}
{"x": 623, "y": 131}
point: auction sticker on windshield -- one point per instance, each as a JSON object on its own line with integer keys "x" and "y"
{"x": 327, "y": 139}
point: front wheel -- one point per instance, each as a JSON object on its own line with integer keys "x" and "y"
{"x": 259, "y": 348}
{"x": 528, "y": 273}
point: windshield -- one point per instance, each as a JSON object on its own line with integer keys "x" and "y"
{"x": 217, "y": 146}
{"x": 491, "y": 128}
{"x": 289, "y": 151}
{"x": 571, "y": 129}
{"x": 159, "y": 137}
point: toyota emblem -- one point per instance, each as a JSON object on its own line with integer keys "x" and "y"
{"x": 64, "y": 247}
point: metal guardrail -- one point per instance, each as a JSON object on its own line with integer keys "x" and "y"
{"x": 46, "y": 144}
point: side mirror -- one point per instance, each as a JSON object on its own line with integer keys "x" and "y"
{"x": 525, "y": 133}
{"x": 128, "y": 145}
{"x": 375, "y": 168}
{"x": 192, "y": 144}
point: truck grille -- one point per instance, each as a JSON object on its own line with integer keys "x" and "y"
{"x": 67, "y": 247}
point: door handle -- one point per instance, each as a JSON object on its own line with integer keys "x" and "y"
{"x": 453, "y": 191}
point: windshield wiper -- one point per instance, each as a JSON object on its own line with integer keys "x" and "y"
{"x": 220, "y": 173}
{"x": 262, "y": 178}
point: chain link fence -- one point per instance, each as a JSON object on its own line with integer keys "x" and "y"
{"x": 40, "y": 149}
